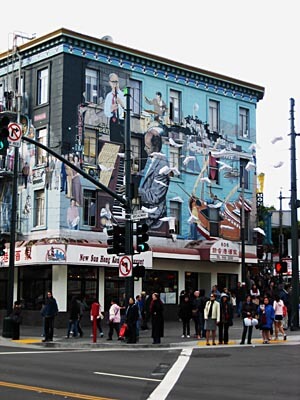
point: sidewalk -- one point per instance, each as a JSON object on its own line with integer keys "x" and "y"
{"x": 31, "y": 337}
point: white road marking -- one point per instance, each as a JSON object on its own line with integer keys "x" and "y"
{"x": 128, "y": 377}
{"x": 166, "y": 385}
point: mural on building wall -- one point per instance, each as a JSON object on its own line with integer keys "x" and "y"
{"x": 5, "y": 204}
{"x": 204, "y": 158}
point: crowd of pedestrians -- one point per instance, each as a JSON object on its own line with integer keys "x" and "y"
{"x": 263, "y": 304}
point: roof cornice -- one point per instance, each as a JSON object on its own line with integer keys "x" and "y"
{"x": 63, "y": 35}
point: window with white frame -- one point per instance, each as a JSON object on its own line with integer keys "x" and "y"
{"x": 89, "y": 207}
{"x": 214, "y": 115}
{"x": 41, "y": 155}
{"x": 135, "y": 96}
{"x": 135, "y": 145}
{"x": 91, "y": 85}
{"x": 39, "y": 208}
{"x": 42, "y": 86}
{"x": 243, "y": 122}
{"x": 175, "y": 106}
{"x": 175, "y": 211}
{"x": 174, "y": 156}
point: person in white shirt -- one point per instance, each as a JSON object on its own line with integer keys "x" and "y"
{"x": 114, "y": 319}
{"x": 278, "y": 306}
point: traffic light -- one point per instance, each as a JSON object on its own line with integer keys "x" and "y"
{"x": 2, "y": 247}
{"x": 116, "y": 240}
{"x": 4, "y": 135}
{"x": 278, "y": 267}
{"x": 281, "y": 267}
{"x": 138, "y": 271}
{"x": 142, "y": 238}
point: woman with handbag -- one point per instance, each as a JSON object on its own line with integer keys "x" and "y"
{"x": 248, "y": 311}
{"x": 266, "y": 316}
{"x": 226, "y": 316}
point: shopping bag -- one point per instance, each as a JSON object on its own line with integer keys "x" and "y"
{"x": 250, "y": 321}
{"x": 123, "y": 330}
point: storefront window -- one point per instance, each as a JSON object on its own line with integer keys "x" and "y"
{"x": 163, "y": 282}
{"x": 114, "y": 287}
{"x": 34, "y": 284}
{"x": 82, "y": 283}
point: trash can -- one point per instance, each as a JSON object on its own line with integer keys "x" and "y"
{"x": 7, "y": 327}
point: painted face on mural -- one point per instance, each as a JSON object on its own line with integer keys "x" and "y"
{"x": 153, "y": 140}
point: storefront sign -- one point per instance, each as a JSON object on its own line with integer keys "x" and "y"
{"x": 71, "y": 254}
{"x": 224, "y": 250}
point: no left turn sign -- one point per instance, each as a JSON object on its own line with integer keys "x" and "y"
{"x": 125, "y": 267}
{"x": 15, "y": 134}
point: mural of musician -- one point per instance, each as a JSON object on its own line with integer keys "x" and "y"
{"x": 154, "y": 183}
{"x": 114, "y": 106}
{"x": 159, "y": 107}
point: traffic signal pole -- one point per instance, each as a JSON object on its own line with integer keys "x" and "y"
{"x": 129, "y": 289}
{"x": 13, "y": 223}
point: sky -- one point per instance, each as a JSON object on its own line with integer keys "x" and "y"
{"x": 256, "y": 42}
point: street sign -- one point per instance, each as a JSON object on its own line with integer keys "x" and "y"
{"x": 15, "y": 134}
{"x": 139, "y": 215}
{"x": 125, "y": 267}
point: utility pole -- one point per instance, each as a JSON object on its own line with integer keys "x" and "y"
{"x": 294, "y": 225}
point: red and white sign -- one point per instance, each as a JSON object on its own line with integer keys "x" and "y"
{"x": 15, "y": 134}
{"x": 125, "y": 267}
{"x": 224, "y": 250}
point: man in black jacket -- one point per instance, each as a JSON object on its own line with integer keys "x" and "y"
{"x": 49, "y": 312}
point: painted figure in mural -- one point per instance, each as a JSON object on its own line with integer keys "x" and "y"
{"x": 63, "y": 177}
{"x": 114, "y": 105}
{"x": 25, "y": 174}
{"x": 76, "y": 184}
{"x": 69, "y": 173}
{"x": 73, "y": 215}
{"x": 159, "y": 106}
{"x": 106, "y": 217}
{"x": 154, "y": 183}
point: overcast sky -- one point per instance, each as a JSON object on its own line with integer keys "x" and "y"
{"x": 257, "y": 42}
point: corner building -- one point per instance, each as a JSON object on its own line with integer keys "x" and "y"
{"x": 193, "y": 136}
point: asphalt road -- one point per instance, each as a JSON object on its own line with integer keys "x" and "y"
{"x": 232, "y": 372}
